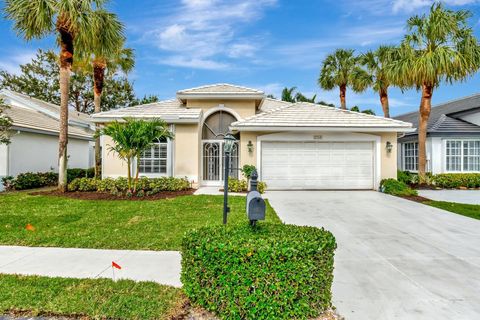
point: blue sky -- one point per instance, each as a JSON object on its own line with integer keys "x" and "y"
{"x": 266, "y": 44}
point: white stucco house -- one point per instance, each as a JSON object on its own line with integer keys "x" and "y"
{"x": 293, "y": 145}
{"x": 453, "y": 138}
{"x": 34, "y": 137}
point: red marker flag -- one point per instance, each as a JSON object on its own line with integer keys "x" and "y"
{"x": 29, "y": 227}
{"x": 114, "y": 265}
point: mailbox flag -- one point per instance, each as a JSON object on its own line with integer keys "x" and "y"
{"x": 114, "y": 265}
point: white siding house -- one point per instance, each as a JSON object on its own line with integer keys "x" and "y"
{"x": 34, "y": 137}
{"x": 453, "y": 138}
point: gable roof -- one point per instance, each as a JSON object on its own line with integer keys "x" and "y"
{"x": 269, "y": 104}
{"x": 172, "y": 111}
{"x": 445, "y": 117}
{"x": 220, "y": 91}
{"x": 35, "y": 115}
{"x": 310, "y": 116}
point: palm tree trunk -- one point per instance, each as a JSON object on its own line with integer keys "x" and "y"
{"x": 383, "y": 92}
{"x": 343, "y": 92}
{"x": 66, "y": 60}
{"x": 129, "y": 174}
{"x": 424, "y": 114}
{"x": 98, "y": 80}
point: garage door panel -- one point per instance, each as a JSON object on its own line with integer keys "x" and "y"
{"x": 317, "y": 165}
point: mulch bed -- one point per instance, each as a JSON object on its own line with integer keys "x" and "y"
{"x": 416, "y": 198}
{"x": 108, "y": 196}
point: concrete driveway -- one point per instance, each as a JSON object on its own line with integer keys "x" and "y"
{"x": 460, "y": 196}
{"x": 396, "y": 259}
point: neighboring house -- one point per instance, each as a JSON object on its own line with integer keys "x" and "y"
{"x": 34, "y": 137}
{"x": 453, "y": 138}
{"x": 293, "y": 145}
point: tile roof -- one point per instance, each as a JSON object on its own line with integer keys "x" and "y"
{"x": 443, "y": 117}
{"x": 303, "y": 115}
{"x": 223, "y": 88}
{"x": 269, "y": 104}
{"x": 169, "y": 110}
{"x": 52, "y": 109}
{"x": 23, "y": 117}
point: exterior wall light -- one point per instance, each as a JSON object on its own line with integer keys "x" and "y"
{"x": 389, "y": 147}
{"x": 250, "y": 146}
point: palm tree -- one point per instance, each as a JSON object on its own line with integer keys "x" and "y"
{"x": 439, "y": 47}
{"x": 132, "y": 137}
{"x": 70, "y": 21}
{"x": 341, "y": 69}
{"x": 299, "y": 97}
{"x": 375, "y": 62}
{"x": 104, "y": 52}
{"x": 287, "y": 94}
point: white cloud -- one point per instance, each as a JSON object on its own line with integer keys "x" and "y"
{"x": 274, "y": 88}
{"x": 412, "y": 5}
{"x": 12, "y": 63}
{"x": 204, "y": 32}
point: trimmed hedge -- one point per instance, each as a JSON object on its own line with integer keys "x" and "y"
{"x": 396, "y": 188}
{"x": 457, "y": 180}
{"x": 443, "y": 180}
{"x": 236, "y": 185}
{"x": 32, "y": 180}
{"x": 145, "y": 185}
{"x": 272, "y": 271}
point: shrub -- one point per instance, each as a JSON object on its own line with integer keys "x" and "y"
{"x": 74, "y": 173}
{"x": 396, "y": 188}
{"x": 457, "y": 180}
{"x": 273, "y": 271}
{"x": 30, "y": 180}
{"x": 148, "y": 186}
{"x": 236, "y": 185}
{"x": 247, "y": 170}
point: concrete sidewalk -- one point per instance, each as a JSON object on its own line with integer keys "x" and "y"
{"x": 159, "y": 266}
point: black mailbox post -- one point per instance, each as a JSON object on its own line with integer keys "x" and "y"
{"x": 255, "y": 204}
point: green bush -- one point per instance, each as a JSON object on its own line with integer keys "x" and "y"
{"x": 236, "y": 185}
{"x": 30, "y": 180}
{"x": 120, "y": 185}
{"x": 396, "y": 188}
{"x": 247, "y": 170}
{"x": 457, "y": 180}
{"x": 273, "y": 271}
{"x": 75, "y": 173}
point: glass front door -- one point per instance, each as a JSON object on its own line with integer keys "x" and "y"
{"x": 214, "y": 161}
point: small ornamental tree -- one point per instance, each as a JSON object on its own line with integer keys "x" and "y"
{"x": 5, "y": 124}
{"x": 132, "y": 137}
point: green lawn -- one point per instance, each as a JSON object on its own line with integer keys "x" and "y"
{"x": 154, "y": 225}
{"x": 469, "y": 210}
{"x": 99, "y": 298}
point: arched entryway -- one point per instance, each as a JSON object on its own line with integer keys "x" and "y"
{"x": 214, "y": 129}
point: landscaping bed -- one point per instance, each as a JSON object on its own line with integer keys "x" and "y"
{"x": 96, "y": 195}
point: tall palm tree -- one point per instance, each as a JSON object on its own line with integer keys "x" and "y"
{"x": 105, "y": 52}
{"x": 375, "y": 62}
{"x": 70, "y": 21}
{"x": 341, "y": 69}
{"x": 439, "y": 47}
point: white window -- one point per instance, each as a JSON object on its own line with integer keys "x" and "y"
{"x": 462, "y": 155}
{"x": 154, "y": 160}
{"x": 410, "y": 156}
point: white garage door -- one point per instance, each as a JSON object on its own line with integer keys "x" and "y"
{"x": 317, "y": 165}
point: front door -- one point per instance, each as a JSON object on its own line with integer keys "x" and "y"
{"x": 214, "y": 161}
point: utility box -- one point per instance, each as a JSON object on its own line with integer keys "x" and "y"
{"x": 255, "y": 207}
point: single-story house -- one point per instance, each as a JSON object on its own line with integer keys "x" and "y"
{"x": 293, "y": 145}
{"x": 34, "y": 137}
{"x": 453, "y": 138}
